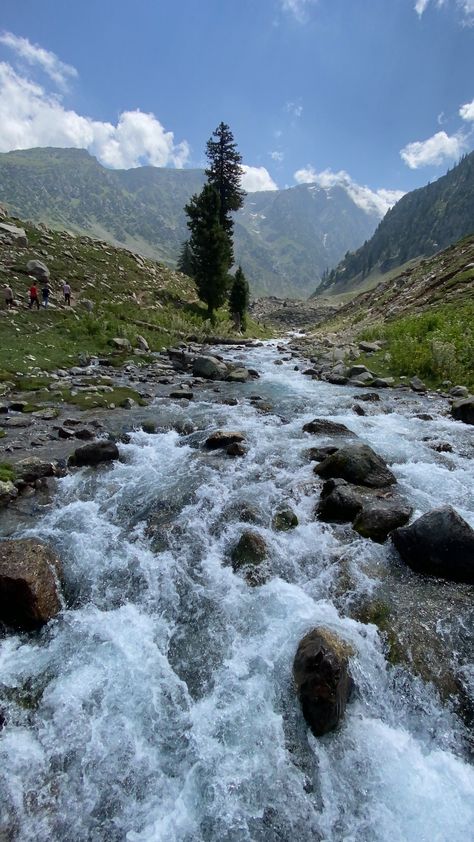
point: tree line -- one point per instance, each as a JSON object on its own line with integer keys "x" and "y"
{"x": 208, "y": 255}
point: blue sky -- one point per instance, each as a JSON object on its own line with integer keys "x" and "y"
{"x": 375, "y": 94}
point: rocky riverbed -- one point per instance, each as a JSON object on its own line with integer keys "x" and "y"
{"x": 218, "y": 555}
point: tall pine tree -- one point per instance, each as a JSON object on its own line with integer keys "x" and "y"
{"x": 210, "y": 247}
{"x": 225, "y": 174}
{"x": 186, "y": 260}
{"x": 239, "y": 299}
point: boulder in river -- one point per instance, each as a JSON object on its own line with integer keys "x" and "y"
{"x": 284, "y": 520}
{"x": 374, "y": 513}
{"x": 464, "y": 410}
{"x": 222, "y": 438}
{"x": 440, "y": 543}
{"x": 325, "y": 427}
{"x": 358, "y": 464}
{"x": 210, "y": 367}
{"x": 322, "y": 679}
{"x": 250, "y": 549}
{"x": 238, "y": 375}
{"x": 94, "y": 454}
{"x": 29, "y": 575}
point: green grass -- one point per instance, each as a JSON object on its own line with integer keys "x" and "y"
{"x": 436, "y": 345}
{"x": 7, "y": 473}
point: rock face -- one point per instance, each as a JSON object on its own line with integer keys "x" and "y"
{"x": 440, "y": 543}
{"x": 38, "y": 269}
{"x": 29, "y": 572}
{"x": 322, "y": 679}
{"x": 223, "y": 438}
{"x": 325, "y": 427}
{"x": 464, "y": 410}
{"x": 94, "y": 453}
{"x": 210, "y": 367}
{"x": 358, "y": 464}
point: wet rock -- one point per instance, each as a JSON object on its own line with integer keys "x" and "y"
{"x": 317, "y": 454}
{"x": 371, "y": 397}
{"x": 84, "y": 434}
{"x": 359, "y": 370}
{"x": 38, "y": 269}
{"x": 440, "y": 543}
{"x": 222, "y": 438}
{"x": 442, "y": 446}
{"x": 65, "y": 433}
{"x": 336, "y": 379}
{"x": 322, "y": 679}
{"x": 423, "y": 416}
{"x": 363, "y": 379}
{"x": 29, "y": 576}
{"x": 277, "y": 362}
{"x": 340, "y": 502}
{"x": 250, "y": 549}
{"x": 238, "y": 375}
{"x": 417, "y": 385}
{"x": 325, "y": 427}
{"x": 181, "y": 394}
{"x": 32, "y": 468}
{"x": 229, "y": 401}
{"x": 149, "y": 427}
{"x": 383, "y": 382}
{"x": 284, "y": 520}
{"x": 311, "y": 372}
{"x": 209, "y": 367}
{"x": 16, "y": 422}
{"x": 8, "y": 492}
{"x": 463, "y": 410}
{"x": 94, "y": 454}
{"x": 235, "y": 449}
{"x": 127, "y": 403}
{"x": 358, "y": 409}
{"x": 380, "y": 516}
{"x": 358, "y": 464}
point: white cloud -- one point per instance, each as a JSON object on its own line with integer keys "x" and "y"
{"x": 467, "y": 111}
{"x": 30, "y": 116}
{"x": 56, "y": 69}
{"x": 294, "y": 108}
{"x": 255, "y": 179}
{"x": 466, "y": 7}
{"x": 277, "y": 156}
{"x": 433, "y": 151}
{"x": 297, "y": 8}
{"x": 371, "y": 201}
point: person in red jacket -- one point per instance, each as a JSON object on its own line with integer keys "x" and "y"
{"x": 34, "y": 297}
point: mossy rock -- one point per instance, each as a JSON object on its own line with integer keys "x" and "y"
{"x": 284, "y": 520}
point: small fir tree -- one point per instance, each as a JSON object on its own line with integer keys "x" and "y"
{"x": 239, "y": 299}
{"x": 210, "y": 247}
{"x": 186, "y": 260}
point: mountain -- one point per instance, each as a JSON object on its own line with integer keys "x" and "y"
{"x": 284, "y": 239}
{"x": 421, "y": 223}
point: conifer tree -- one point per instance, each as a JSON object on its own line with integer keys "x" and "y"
{"x": 186, "y": 260}
{"x": 239, "y": 299}
{"x": 210, "y": 247}
{"x": 225, "y": 174}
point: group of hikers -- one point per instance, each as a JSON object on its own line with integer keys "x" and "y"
{"x": 33, "y": 293}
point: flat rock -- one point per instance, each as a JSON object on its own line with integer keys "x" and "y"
{"x": 325, "y": 427}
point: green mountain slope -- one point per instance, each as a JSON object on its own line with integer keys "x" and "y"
{"x": 284, "y": 239}
{"x": 422, "y": 223}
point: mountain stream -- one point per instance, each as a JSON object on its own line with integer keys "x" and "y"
{"x": 159, "y": 705}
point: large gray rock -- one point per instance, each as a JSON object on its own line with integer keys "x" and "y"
{"x": 210, "y": 367}
{"x": 94, "y": 454}
{"x": 325, "y": 427}
{"x": 32, "y": 468}
{"x": 18, "y": 235}
{"x": 373, "y": 513}
{"x": 358, "y": 464}
{"x": 38, "y": 269}
{"x": 238, "y": 375}
{"x": 322, "y": 679}
{"x": 29, "y": 576}
{"x": 440, "y": 543}
{"x": 121, "y": 343}
{"x": 464, "y": 410}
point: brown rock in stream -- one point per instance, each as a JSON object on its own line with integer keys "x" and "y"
{"x": 29, "y": 576}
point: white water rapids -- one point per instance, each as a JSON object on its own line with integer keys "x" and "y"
{"x": 159, "y": 705}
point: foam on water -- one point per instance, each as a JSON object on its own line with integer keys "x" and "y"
{"x": 160, "y": 705}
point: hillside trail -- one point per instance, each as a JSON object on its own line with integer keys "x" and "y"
{"x": 160, "y": 704}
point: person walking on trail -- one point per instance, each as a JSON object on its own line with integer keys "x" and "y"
{"x": 67, "y": 293}
{"x": 34, "y": 300}
{"x": 45, "y": 295}
{"x": 8, "y": 296}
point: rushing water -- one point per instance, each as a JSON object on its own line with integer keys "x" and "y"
{"x": 160, "y": 705}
